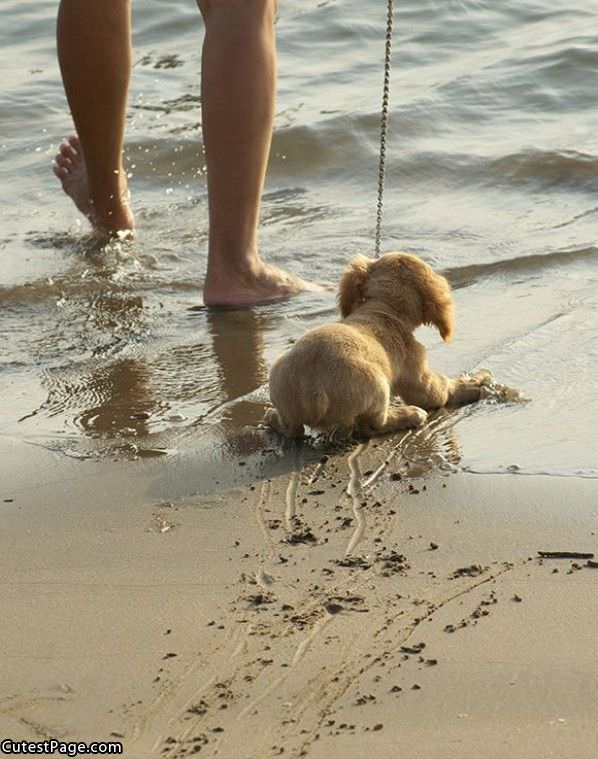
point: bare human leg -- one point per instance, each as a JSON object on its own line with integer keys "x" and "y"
{"x": 94, "y": 51}
{"x": 238, "y": 98}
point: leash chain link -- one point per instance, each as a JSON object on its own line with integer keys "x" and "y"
{"x": 384, "y": 125}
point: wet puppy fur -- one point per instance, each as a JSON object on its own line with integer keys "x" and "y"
{"x": 340, "y": 378}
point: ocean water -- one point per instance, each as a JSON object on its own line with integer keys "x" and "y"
{"x": 492, "y": 178}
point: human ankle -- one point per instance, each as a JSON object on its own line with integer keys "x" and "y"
{"x": 111, "y": 217}
{"x": 244, "y": 266}
{"x": 108, "y": 191}
{"x": 112, "y": 208}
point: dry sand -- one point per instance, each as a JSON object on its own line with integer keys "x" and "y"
{"x": 274, "y": 614}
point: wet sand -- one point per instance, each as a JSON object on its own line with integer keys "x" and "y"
{"x": 274, "y": 614}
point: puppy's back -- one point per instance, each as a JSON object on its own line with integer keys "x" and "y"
{"x": 329, "y": 378}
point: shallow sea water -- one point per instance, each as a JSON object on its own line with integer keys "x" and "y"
{"x": 492, "y": 178}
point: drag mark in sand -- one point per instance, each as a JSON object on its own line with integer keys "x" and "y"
{"x": 299, "y": 654}
{"x": 384, "y": 465}
{"x": 177, "y": 696}
{"x": 347, "y": 672}
{"x": 261, "y": 505}
{"x": 305, "y": 644}
{"x": 354, "y": 491}
{"x": 318, "y": 471}
{"x": 291, "y": 501}
{"x": 407, "y": 443}
{"x": 14, "y": 706}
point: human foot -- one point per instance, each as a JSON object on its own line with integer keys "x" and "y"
{"x": 261, "y": 283}
{"x": 110, "y": 217}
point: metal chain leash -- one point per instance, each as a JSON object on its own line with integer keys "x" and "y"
{"x": 384, "y": 125}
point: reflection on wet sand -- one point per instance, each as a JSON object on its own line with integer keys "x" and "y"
{"x": 126, "y": 402}
{"x": 238, "y": 345}
{"x": 109, "y": 399}
{"x": 130, "y": 404}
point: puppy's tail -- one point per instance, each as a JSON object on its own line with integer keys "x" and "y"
{"x": 321, "y": 406}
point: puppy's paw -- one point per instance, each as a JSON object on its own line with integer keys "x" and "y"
{"x": 482, "y": 377}
{"x": 417, "y": 416}
{"x": 272, "y": 419}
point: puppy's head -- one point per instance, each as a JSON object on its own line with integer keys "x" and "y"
{"x": 403, "y": 283}
{"x": 351, "y": 292}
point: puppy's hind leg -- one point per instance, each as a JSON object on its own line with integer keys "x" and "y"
{"x": 273, "y": 419}
{"x": 401, "y": 418}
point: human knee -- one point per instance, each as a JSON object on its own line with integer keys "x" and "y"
{"x": 256, "y": 9}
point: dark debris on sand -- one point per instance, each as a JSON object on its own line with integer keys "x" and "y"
{"x": 473, "y": 570}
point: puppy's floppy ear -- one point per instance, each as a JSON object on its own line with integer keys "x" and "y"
{"x": 438, "y": 306}
{"x": 352, "y": 285}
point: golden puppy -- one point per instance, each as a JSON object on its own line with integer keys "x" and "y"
{"x": 341, "y": 377}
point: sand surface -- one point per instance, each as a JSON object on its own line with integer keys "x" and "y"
{"x": 276, "y": 614}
